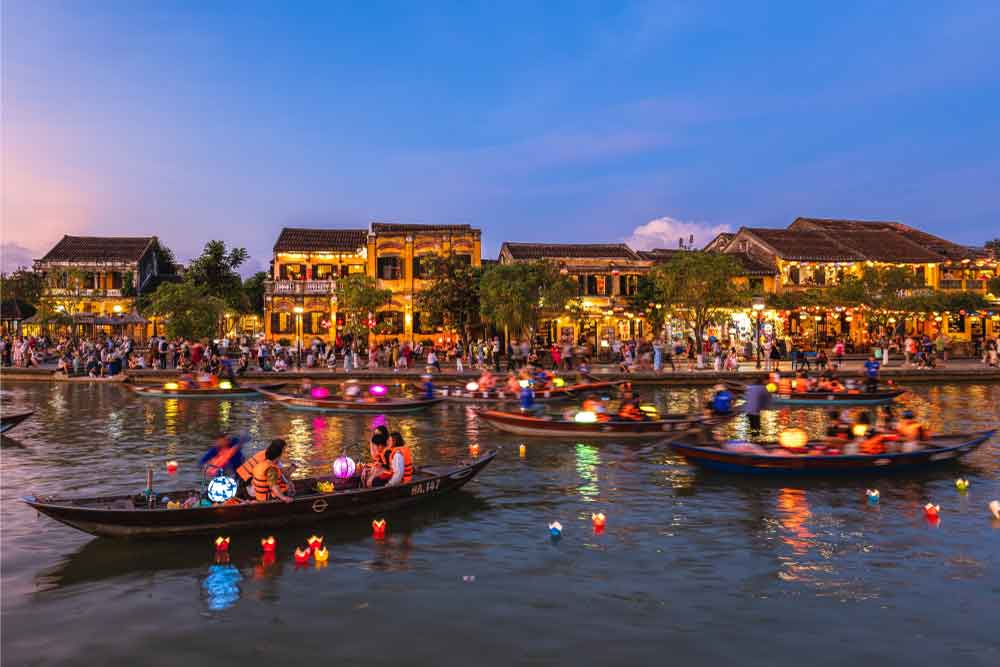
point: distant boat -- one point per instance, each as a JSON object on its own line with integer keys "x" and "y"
{"x": 7, "y": 422}
{"x": 347, "y": 406}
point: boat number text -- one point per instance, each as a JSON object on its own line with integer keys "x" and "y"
{"x": 425, "y": 487}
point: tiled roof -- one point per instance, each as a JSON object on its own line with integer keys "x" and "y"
{"x": 946, "y": 249}
{"x": 720, "y": 242}
{"x": 658, "y": 254}
{"x": 751, "y": 266}
{"x": 400, "y": 227}
{"x": 805, "y": 245}
{"x": 570, "y": 251}
{"x": 99, "y": 249}
{"x": 884, "y": 245}
{"x": 319, "y": 240}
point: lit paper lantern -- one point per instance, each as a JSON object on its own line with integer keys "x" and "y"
{"x": 225, "y": 384}
{"x": 315, "y": 542}
{"x": 324, "y": 487}
{"x": 585, "y": 417}
{"x": 558, "y": 382}
{"x": 873, "y": 496}
{"x": 221, "y": 489}
{"x": 524, "y": 383}
{"x": 649, "y": 410}
{"x": 170, "y": 386}
{"x": 859, "y": 430}
{"x": 932, "y": 511}
{"x": 555, "y": 529}
{"x": 268, "y": 544}
{"x": 521, "y": 451}
{"x": 962, "y": 485}
{"x": 319, "y": 392}
{"x": 171, "y": 467}
{"x": 793, "y": 438}
{"x": 378, "y": 390}
{"x": 344, "y": 467}
{"x": 378, "y": 528}
{"x": 302, "y": 555}
{"x": 474, "y": 450}
{"x": 221, "y": 544}
{"x": 598, "y": 520}
{"x": 771, "y": 387}
{"x": 472, "y": 386}
{"x": 321, "y": 555}
{"x": 995, "y": 509}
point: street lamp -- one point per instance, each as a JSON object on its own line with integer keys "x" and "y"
{"x": 758, "y": 306}
{"x": 298, "y": 334}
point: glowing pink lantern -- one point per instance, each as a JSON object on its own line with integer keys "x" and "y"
{"x": 378, "y": 390}
{"x": 320, "y": 392}
{"x": 344, "y": 467}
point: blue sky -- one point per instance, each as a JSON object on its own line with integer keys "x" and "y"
{"x": 534, "y": 121}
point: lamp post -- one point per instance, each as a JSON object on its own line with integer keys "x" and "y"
{"x": 298, "y": 334}
{"x": 758, "y": 307}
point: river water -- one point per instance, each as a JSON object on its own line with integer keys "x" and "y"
{"x": 693, "y": 568}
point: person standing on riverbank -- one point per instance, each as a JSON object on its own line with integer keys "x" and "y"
{"x": 757, "y": 399}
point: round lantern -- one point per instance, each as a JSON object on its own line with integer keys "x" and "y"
{"x": 170, "y": 386}
{"x": 344, "y": 467}
{"x": 558, "y": 382}
{"x": 585, "y": 417}
{"x": 859, "y": 430}
{"x": 472, "y": 386}
{"x": 171, "y": 467}
{"x": 221, "y": 489}
{"x": 319, "y": 392}
{"x": 793, "y": 438}
{"x": 378, "y": 390}
{"x": 771, "y": 387}
{"x": 225, "y": 384}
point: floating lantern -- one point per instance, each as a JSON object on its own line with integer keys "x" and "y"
{"x": 321, "y": 555}
{"x": 344, "y": 467}
{"x": 558, "y": 382}
{"x": 324, "y": 487}
{"x": 221, "y": 489}
{"x": 225, "y": 384}
{"x": 302, "y": 555}
{"x": 859, "y": 430}
{"x": 521, "y": 451}
{"x": 170, "y": 386}
{"x": 378, "y": 390}
{"x": 222, "y": 544}
{"x": 771, "y": 387}
{"x": 319, "y": 392}
{"x": 472, "y": 386}
{"x": 793, "y": 438}
{"x": 598, "y": 520}
{"x": 473, "y": 450}
{"x": 585, "y": 417}
{"x": 524, "y": 383}
{"x": 962, "y": 485}
{"x": 555, "y": 529}
{"x": 315, "y": 542}
{"x": 995, "y": 508}
{"x": 378, "y": 528}
{"x": 873, "y": 496}
{"x": 171, "y": 467}
{"x": 649, "y": 410}
{"x": 932, "y": 511}
{"x": 268, "y": 544}
{"x": 174, "y": 504}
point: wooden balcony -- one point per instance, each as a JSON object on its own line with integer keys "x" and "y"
{"x": 300, "y": 287}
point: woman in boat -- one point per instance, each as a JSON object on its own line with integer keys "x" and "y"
{"x": 722, "y": 401}
{"x": 911, "y": 432}
{"x": 224, "y": 457}
{"x": 399, "y": 459}
{"x": 377, "y": 473}
{"x": 629, "y": 411}
{"x": 269, "y": 482}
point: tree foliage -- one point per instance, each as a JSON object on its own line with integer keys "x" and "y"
{"x": 646, "y": 300}
{"x": 215, "y": 270}
{"x": 516, "y": 295}
{"x": 359, "y": 298}
{"x": 451, "y": 297}
{"x": 993, "y": 246}
{"x": 253, "y": 290}
{"x": 23, "y": 285}
{"x": 698, "y": 287}
{"x": 188, "y": 310}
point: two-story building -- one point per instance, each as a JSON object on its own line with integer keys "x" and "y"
{"x": 300, "y": 298}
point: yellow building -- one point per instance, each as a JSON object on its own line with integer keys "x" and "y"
{"x": 300, "y": 299}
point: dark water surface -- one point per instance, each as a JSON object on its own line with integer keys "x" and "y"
{"x": 693, "y": 568}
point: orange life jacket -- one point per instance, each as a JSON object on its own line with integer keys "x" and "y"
{"x": 261, "y": 486}
{"x": 219, "y": 461}
{"x": 911, "y": 430}
{"x": 245, "y": 471}
{"x": 875, "y": 444}
{"x": 630, "y": 412}
{"x": 407, "y": 462}
{"x": 785, "y": 385}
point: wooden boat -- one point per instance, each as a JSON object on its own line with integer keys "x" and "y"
{"x": 129, "y": 516}
{"x": 836, "y": 397}
{"x": 496, "y": 396}
{"x": 7, "y": 422}
{"x": 365, "y": 406}
{"x": 938, "y": 449}
{"x": 522, "y": 424}
{"x": 239, "y": 391}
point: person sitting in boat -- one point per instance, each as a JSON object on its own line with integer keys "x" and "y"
{"x": 526, "y": 398}
{"x": 225, "y": 456}
{"x": 629, "y": 411}
{"x": 911, "y": 432}
{"x": 872, "y": 369}
{"x": 542, "y": 380}
{"x": 594, "y": 404}
{"x": 306, "y": 387}
{"x": 398, "y": 458}
{"x": 186, "y": 381}
{"x": 352, "y": 390}
{"x": 269, "y": 481}
{"x": 513, "y": 386}
{"x": 837, "y": 428}
{"x": 486, "y": 380}
{"x": 377, "y": 473}
{"x": 428, "y": 386}
{"x": 722, "y": 401}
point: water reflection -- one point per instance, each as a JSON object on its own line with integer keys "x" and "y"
{"x": 221, "y": 586}
{"x": 588, "y": 458}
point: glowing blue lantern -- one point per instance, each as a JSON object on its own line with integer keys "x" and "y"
{"x": 221, "y": 489}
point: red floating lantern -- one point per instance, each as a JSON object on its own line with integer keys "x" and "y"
{"x": 315, "y": 542}
{"x": 222, "y": 544}
{"x": 171, "y": 467}
{"x": 473, "y": 450}
{"x": 598, "y": 520}
{"x": 378, "y": 528}
{"x": 269, "y": 544}
{"x": 932, "y": 511}
{"x": 302, "y": 555}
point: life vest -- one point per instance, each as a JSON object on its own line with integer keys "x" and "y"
{"x": 876, "y": 443}
{"x": 261, "y": 487}
{"x": 630, "y": 412}
{"x": 245, "y": 471}
{"x": 220, "y": 460}
{"x": 910, "y": 430}
{"x": 785, "y": 385}
{"x": 722, "y": 403}
{"x": 407, "y": 462}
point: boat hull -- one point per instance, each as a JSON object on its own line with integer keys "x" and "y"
{"x": 550, "y": 395}
{"x": 248, "y": 391}
{"x": 7, "y": 422}
{"x": 349, "y": 407}
{"x": 308, "y": 508}
{"x": 550, "y": 428}
{"x": 831, "y": 398}
{"x": 949, "y": 449}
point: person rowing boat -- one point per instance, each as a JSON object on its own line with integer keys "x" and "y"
{"x": 269, "y": 481}
{"x": 225, "y": 456}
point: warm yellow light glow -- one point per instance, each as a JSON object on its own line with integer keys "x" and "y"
{"x": 170, "y": 386}
{"x": 859, "y": 430}
{"x": 117, "y": 308}
{"x": 585, "y": 417}
{"x": 771, "y": 387}
{"x": 299, "y": 310}
{"x": 793, "y": 438}
{"x": 225, "y": 384}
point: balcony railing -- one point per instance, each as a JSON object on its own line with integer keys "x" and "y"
{"x": 72, "y": 291}
{"x": 300, "y": 287}
{"x": 950, "y": 284}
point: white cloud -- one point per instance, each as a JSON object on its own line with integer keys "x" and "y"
{"x": 664, "y": 233}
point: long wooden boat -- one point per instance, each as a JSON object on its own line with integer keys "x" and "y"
{"x": 129, "y": 516}
{"x": 7, "y": 422}
{"x": 836, "y": 397}
{"x": 936, "y": 450}
{"x": 522, "y": 424}
{"x": 498, "y": 396}
{"x": 363, "y": 406}
{"x": 239, "y": 391}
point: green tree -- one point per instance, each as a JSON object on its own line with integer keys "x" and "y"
{"x": 698, "y": 287}
{"x": 516, "y": 295}
{"x": 216, "y": 271}
{"x": 993, "y": 286}
{"x": 188, "y": 310}
{"x": 451, "y": 297}
{"x": 359, "y": 298}
{"x": 253, "y": 291}
{"x": 882, "y": 289}
{"x": 24, "y": 285}
{"x": 993, "y": 246}
{"x": 646, "y": 301}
